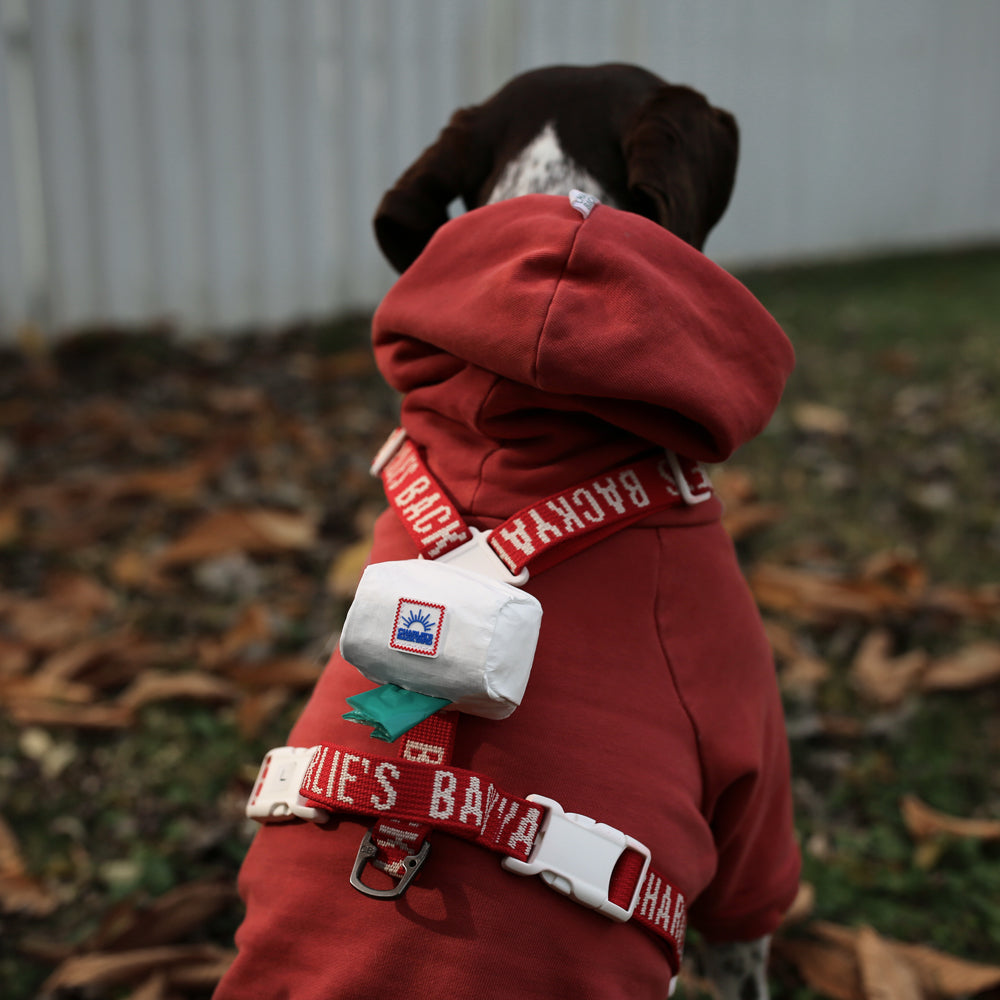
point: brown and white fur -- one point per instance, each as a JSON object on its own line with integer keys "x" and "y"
{"x": 614, "y": 131}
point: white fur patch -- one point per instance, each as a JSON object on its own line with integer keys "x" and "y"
{"x": 543, "y": 168}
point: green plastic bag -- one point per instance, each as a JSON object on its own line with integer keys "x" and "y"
{"x": 392, "y": 710}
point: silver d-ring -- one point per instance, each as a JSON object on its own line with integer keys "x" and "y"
{"x": 367, "y": 852}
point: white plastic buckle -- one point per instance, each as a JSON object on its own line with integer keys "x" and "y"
{"x": 576, "y": 856}
{"x": 275, "y": 797}
{"x": 690, "y": 497}
{"x": 478, "y": 556}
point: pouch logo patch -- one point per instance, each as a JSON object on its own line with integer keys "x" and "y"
{"x": 417, "y": 627}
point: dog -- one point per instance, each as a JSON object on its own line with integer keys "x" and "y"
{"x": 615, "y": 131}
{"x": 524, "y": 337}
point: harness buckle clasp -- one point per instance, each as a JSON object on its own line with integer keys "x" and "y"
{"x": 576, "y": 856}
{"x": 478, "y": 556}
{"x": 683, "y": 486}
{"x": 366, "y": 854}
{"x": 275, "y": 797}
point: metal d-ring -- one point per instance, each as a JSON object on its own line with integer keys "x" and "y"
{"x": 367, "y": 852}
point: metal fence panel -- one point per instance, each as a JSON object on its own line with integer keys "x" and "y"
{"x": 215, "y": 163}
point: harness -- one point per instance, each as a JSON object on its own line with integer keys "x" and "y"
{"x": 417, "y": 790}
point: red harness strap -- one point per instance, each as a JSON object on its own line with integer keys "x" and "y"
{"x": 539, "y": 535}
{"x": 567, "y": 521}
{"x": 469, "y": 805}
{"x": 399, "y": 841}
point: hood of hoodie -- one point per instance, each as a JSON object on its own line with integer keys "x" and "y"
{"x": 535, "y": 346}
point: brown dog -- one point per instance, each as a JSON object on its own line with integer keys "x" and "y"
{"x": 618, "y": 132}
{"x": 615, "y": 131}
{"x": 538, "y": 342}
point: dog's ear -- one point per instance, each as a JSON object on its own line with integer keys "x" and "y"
{"x": 414, "y": 208}
{"x": 681, "y": 154}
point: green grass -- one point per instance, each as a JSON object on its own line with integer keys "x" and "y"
{"x": 908, "y": 349}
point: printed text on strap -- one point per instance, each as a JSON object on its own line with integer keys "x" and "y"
{"x": 590, "y": 862}
{"x": 586, "y": 510}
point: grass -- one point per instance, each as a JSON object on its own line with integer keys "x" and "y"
{"x": 907, "y": 350}
{"x": 903, "y": 354}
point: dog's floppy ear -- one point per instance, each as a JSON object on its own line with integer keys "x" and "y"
{"x": 680, "y": 154}
{"x": 417, "y": 204}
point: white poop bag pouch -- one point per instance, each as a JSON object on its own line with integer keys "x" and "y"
{"x": 442, "y": 631}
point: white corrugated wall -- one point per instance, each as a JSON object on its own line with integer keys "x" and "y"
{"x": 216, "y": 163}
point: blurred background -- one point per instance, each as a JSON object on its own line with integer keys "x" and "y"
{"x": 188, "y": 406}
{"x": 216, "y": 164}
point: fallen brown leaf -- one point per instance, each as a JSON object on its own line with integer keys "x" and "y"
{"x": 972, "y": 666}
{"x": 899, "y": 568}
{"x": 881, "y": 677}
{"x": 167, "y": 919}
{"x": 742, "y": 521}
{"x": 923, "y": 822}
{"x": 36, "y": 687}
{"x": 733, "y": 485}
{"x": 253, "y": 626}
{"x": 296, "y": 672}
{"x": 81, "y": 592}
{"x": 256, "y": 710}
{"x": 251, "y": 531}
{"x": 828, "y": 968}
{"x": 974, "y": 604}
{"x": 817, "y": 418}
{"x": 802, "y": 906}
{"x": 10, "y": 524}
{"x": 31, "y": 712}
{"x": 947, "y": 976}
{"x": 45, "y": 625}
{"x": 86, "y": 656}
{"x": 181, "y": 482}
{"x": 154, "y": 988}
{"x": 940, "y": 974}
{"x": 345, "y": 573}
{"x": 153, "y": 686}
{"x": 817, "y": 597}
{"x": 885, "y": 975}
{"x": 801, "y": 672}
{"x": 15, "y": 657}
{"x": 100, "y": 970}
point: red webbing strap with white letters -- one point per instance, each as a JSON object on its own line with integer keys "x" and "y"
{"x": 544, "y": 532}
{"x": 428, "y": 743}
{"x": 469, "y": 805}
{"x": 539, "y": 535}
{"x": 427, "y": 513}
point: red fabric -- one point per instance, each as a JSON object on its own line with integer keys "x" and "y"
{"x": 652, "y": 703}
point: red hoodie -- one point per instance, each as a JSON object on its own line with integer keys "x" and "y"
{"x": 536, "y": 348}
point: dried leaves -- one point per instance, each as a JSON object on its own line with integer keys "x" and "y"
{"x": 172, "y": 530}
{"x": 138, "y": 946}
{"x": 859, "y": 964}
{"x": 885, "y": 635}
{"x": 890, "y": 589}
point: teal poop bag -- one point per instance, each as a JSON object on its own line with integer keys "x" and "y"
{"x": 392, "y": 710}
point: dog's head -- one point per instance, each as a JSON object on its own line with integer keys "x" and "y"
{"x": 616, "y": 131}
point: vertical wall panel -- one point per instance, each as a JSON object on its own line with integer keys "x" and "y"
{"x": 13, "y": 305}
{"x": 217, "y": 162}
{"x": 177, "y": 189}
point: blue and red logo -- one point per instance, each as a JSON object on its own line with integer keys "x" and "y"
{"x": 417, "y": 627}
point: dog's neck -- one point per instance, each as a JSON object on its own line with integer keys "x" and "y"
{"x": 542, "y": 167}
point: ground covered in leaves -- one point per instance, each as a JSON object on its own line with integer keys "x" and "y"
{"x": 181, "y": 524}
